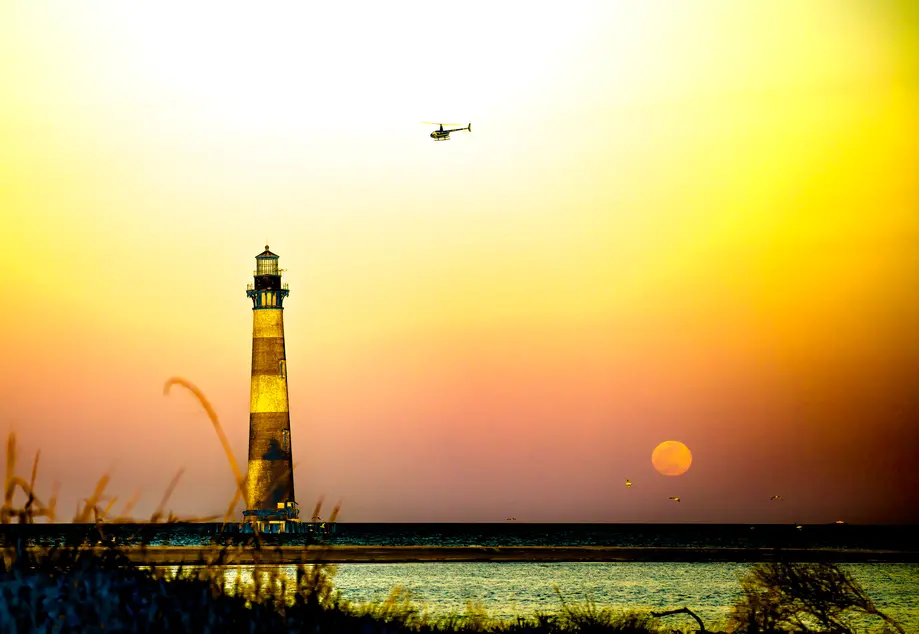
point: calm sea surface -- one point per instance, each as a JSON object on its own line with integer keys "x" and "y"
{"x": 508, "y": 590}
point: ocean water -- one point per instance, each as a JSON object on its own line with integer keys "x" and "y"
{"x": 841, "y": 536}
{"x": 509, "y": 590}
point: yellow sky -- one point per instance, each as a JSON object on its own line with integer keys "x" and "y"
{"x": 693, "y": 220}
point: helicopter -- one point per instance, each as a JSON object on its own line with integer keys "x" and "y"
{"x": 444, "y": 135}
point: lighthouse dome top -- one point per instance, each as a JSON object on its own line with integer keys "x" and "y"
{"x": 266, "y": 254}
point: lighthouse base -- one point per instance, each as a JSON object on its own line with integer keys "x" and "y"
{"x": 271, "y": 522}
{"x": 284, "y": 519}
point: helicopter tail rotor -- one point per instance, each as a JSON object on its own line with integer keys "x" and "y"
{"x": 469, "y": 127}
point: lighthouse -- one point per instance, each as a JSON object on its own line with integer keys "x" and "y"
{"x": 270, "y": 503}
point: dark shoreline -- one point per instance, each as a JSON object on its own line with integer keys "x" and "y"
{"x": 281, "y": 555}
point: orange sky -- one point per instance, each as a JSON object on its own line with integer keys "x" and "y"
{"x": 696, "y": 223}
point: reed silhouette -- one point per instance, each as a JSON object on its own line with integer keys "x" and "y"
{"x": 783, "y": 596}
{"x": 91, "y": 509}
{"x": 238, "y": 478}
{"x": 33, "y": 507}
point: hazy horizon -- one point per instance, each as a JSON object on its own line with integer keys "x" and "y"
{"x": 669, "y": 222}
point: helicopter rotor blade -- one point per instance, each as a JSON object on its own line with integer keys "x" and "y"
{"x": 438, "y": 123}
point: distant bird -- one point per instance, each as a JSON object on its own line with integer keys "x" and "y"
{"x": 776, "y": 497}
{"x": 674, "y": 498}
{"x": 628, "y": 483}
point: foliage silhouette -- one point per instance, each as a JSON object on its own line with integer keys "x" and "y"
{"x": 785, "y": 596}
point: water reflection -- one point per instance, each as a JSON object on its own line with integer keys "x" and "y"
{"x": 314, "y": 580}
{"x": 507, "y": 590}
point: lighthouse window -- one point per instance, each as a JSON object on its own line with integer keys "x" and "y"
{"x": 285, "y": 440}
{"x": 282, "y": 367}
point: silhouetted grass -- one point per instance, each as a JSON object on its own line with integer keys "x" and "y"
{"x": 78, "y": 592}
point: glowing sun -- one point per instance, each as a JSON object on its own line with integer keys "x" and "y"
{"x": 671, "y": 458}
